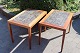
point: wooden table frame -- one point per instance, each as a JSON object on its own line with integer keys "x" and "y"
{"x": 42, "y": 23}
{"x": 29, "y": 27}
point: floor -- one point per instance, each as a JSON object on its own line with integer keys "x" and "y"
{"x": 50, "y": 42}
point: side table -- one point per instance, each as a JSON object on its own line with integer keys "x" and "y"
{"x": 26, "y": 19}
{"x": 56, "y": 19}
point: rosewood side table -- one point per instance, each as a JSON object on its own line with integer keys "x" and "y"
{"x": 26, "y": 19}
{"x": 57, "y": 19}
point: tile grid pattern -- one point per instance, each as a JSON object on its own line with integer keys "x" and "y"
{"x": 57, "y": 18}
{"x": 27, "y": 16}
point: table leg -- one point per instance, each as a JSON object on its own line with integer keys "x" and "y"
{"x": 39, "y": 38}
{"x": 29, "y": 32}
{"x": 11, "y": 35}
{"x": 70, "y": 26}
{"x": 63, "y": 38}
{"x": 44, "y": 28}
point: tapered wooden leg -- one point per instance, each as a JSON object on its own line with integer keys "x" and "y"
{"x": 44, "y": 28}
{"x": 63, "y": 38}
{"x": 11, "y": 35}
{"x": 70, "y": 26}
{"x": 29, "y": 32}
{"x": 39, "y": 38}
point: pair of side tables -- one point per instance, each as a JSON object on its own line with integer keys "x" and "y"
{"x": 57, "y": 19}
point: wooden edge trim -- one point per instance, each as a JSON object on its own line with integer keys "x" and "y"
{"x": 68, "y": 21}
{"x": 37, "y": 19}
{"x": 52, "y": 26}
{"x": 16, "y": 15}
{"x": 62, "y": 11}
{"x": 18, "y": 24}
{"x": 46, "y": 16}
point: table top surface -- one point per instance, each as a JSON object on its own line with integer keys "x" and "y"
{"x": 26, "y": 17}
{"x": 57, "y": 18}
